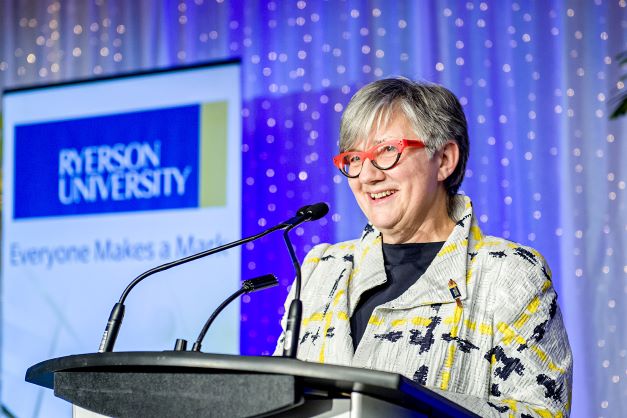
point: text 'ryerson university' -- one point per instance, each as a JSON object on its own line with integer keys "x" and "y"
{"x": 117, "y": 172}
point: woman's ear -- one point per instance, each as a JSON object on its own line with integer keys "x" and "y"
{"x": 448, "y": 160}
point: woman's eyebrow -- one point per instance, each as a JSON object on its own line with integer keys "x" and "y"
{"x": 382, "y": 140}
{"x": 374, "y": 142}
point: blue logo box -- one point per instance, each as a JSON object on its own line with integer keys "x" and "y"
{"x": 137, "y": 161}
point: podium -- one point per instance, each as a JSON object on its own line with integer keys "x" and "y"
{"x": 193, "y": 384}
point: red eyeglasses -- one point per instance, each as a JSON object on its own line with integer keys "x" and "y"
{"x": 383, "y": 156}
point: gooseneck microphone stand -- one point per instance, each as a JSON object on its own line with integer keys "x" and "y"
{"x": 304, "y": 214}
{"x": 249, "y": 286}
{"x": 295, "y": 312}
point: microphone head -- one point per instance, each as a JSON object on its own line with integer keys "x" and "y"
{"x": 302, "y": 211}
{"x": 316, "y": 211}
{"x": 259, "y": 283}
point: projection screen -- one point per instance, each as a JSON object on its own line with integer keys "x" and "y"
{"x": 102, "y": 180}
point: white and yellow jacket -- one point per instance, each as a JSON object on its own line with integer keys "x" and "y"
{"x": 501, "y": 349}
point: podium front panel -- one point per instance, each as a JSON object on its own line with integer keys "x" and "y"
{"x": 180, "y": 394}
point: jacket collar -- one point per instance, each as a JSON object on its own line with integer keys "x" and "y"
{"x": 433, "y": 286}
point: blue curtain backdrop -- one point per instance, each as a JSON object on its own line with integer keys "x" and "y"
{"x": 547, "y": 168}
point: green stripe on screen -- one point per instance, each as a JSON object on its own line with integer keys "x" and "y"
{"x": 213, "y": 136}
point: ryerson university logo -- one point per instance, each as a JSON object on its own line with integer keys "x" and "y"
{"x": 159, "y": 159}
{"x": 118, "y": 172}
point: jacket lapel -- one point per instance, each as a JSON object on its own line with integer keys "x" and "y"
{"x": 433, "y": 286}
{"x": 368, "y": 266}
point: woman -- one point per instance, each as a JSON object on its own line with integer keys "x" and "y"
{"x": 423, "y": 292}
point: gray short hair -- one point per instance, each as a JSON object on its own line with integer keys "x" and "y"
{"x": 433, "y": 112}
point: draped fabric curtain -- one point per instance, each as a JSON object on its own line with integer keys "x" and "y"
{"x": 547, "y": 168}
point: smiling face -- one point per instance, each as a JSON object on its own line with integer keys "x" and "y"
{"x": 406, "y": 203}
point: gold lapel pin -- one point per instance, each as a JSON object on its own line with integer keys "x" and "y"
{"x": 452, "y": 287}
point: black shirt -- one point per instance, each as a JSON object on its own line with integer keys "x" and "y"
{"x": 404, "y": 264}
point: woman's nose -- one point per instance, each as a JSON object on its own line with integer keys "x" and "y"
{"x": 369, "y": 173}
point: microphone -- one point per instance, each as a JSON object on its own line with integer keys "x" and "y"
{"x": 117, "y": 313}
{"x": 307, "y": 213}
{"x": 315, "y": 211}
{"x": 249, "y": 286}
{"x": 301, "y": 216}
{"x": 295, "y": 312}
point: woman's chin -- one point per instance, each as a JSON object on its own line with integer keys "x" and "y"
{"x": 383, "y": 223}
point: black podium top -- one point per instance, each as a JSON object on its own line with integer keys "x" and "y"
{"x": 335, "y": 379}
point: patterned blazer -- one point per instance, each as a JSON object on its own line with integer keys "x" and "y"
{"x": 501, "y": 348}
